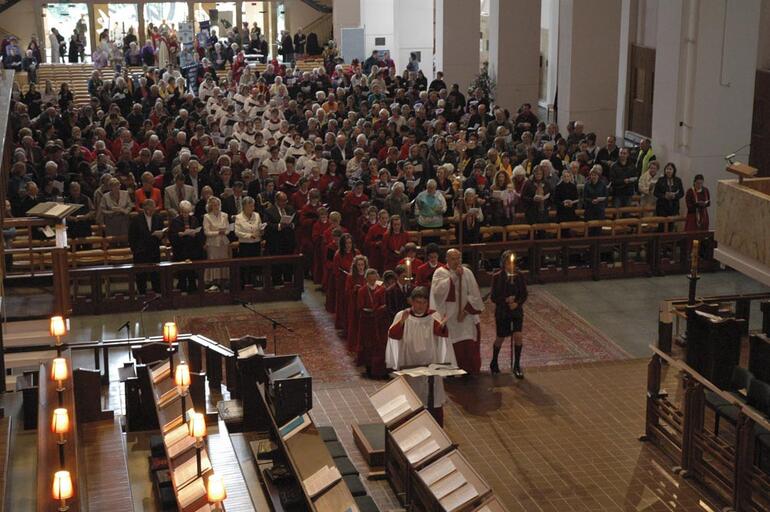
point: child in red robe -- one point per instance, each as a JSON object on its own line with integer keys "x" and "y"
{"x": 319, "y": 226}
{"x": 373, "y": 241}
{"x": 392, "y": 243}
{"x": 329, "y": 282}
{"x": 355, "y": 280}
{"x": 370, "y": 304}
{"x": 308, "y": 215}
{"x": 343, "y": 261}
{"x": 351, "y": 206}
{"x": 426, "y": 270}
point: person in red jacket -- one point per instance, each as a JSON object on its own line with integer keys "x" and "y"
{"x": 318, "y": 244}
{"x": 319, "y": 181}
{"x": 343, "y": 261}
{"x": 147, "y": 191}
{"x": 308, "y": 215}
{"x": 373, "y": 241}
{"x": 392, "y": 242}
{"x": 425, "y": 271}
{"x": 354, "y": 281}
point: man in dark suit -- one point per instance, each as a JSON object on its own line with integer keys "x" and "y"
{"x": 144, "y": 235}
{"x": 396, "y": 295}
{"x": 281, "y": 238}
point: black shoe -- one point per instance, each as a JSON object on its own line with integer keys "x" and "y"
{"x": 494, "y": 367}
{"x": 518, "y": 373}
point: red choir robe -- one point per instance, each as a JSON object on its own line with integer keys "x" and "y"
{"x": 308, "y": 216}
{"x": 319, "y": 255}
{"x": 329, "y": 248}
{"x": 351, "y": 209}
{"x": 424, "y": 274}
{"x": 391, "y": 248}
{"x": 373, "y": 246}
{"x": 697, "y": 217}
{"x": 321, "y": 184}
{"x": 341, "y": 266}
{"x": 359, "y": 235}
{"x": 370, "y": 306}
{"x": 419, "y": 341}
{"x": 352, "y": 285}
{"x": 449, "y": 295}
{"x": 288, "y": 182}
{"x": 299, "y": 199}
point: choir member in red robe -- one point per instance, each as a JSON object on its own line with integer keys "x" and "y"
{"x": 351, "y": 206}
{"x": 698, "y": 200}
{"x": 308, "y": 216}
{"x": 302, "y": 196}
{"x": 425, "y": 271}
{"x": 370, "y": 306}
{"x": 330, "y": 284}
{"x": 288, "y": 180}
{"x": 353, "y": 282}
{"x": 373, "y": 241}
{"x": 365, "y": 223}
{"x": 410, "y": 258}
{"x": 319, "y": 181}
{"x": 392, "y": 242}
{"x": 343, "y": 260}
{"x": 318, "y": 244}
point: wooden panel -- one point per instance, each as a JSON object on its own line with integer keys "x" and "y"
{"x": 106, "y": 469}
{"x": 641, "y": 80}
{"x": 48, "y": 449}
{"x": 759, "y": 156}
{"x": 5, "y": 441}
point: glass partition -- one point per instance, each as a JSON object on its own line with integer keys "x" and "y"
{"x": 119, "y": 19}
{"x": 165, "y": 13}
{"x": 71, "y": 20}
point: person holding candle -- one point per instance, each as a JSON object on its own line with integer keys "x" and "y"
{"x": 509, "y": 292}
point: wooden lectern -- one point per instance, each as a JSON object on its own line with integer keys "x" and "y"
{"x": 741, "y": 170}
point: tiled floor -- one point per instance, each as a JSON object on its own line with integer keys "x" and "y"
{"x": 564, "y": 439}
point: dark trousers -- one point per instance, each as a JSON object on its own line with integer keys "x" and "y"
{"x": 249, "y": 275}
{"x": 186, "y": 281}
{"x": 141, "y": 278}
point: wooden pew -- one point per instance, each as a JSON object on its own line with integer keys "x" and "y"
{"x": 106, "y": 471}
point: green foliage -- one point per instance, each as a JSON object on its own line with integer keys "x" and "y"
{"x": 484, "y": 82}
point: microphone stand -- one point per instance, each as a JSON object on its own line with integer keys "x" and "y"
{"x": 145, "y": 305}
{"x": 273, "y": 321}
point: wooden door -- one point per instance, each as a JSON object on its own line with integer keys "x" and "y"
{"x": 759, "y": 155}
{"x": 641, "y": 80}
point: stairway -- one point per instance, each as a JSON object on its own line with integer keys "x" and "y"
{"x": 318, "y": 6}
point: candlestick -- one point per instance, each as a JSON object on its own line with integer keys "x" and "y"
{"x": 694, "y": 255}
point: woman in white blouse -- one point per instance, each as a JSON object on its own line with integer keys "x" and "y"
{"x": 115, "y": 207}
{"x": 248, "y": 229}
{"x": 215, "y": 227}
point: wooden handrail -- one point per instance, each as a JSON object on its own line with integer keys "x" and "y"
{"x": 746, "y": 409}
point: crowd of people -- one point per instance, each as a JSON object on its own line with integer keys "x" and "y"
{"x": 334, "y": 164}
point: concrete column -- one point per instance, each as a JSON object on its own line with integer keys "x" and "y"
{"x": 588, "y": 64}
{"x": 514, "y": 51}
{"x": 345, "y": 14}
{"x": 705, "y": 66}
{"x": 458, "y": 28}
